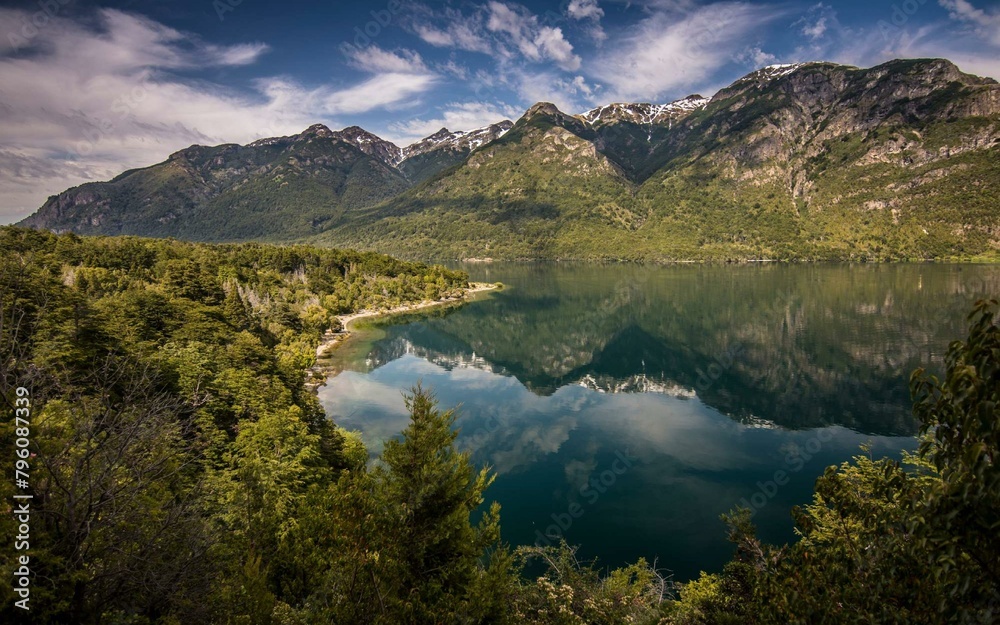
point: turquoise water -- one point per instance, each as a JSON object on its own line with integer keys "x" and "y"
{"x": 625, "y": 408}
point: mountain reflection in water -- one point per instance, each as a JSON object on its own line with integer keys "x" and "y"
{"x": 712, "y": 378}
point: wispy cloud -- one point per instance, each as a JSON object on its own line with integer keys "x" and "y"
{"x": 969, "y": 37}
{"x": 398, "y": 77}
{"x": 584, "y": 9}
{"x": 375, "y": 59}
{"x": 569, "y": 94}
{"x": 383, "y": 90}
{"x": 508, "y": 31}
{"x": 588, "y": 11}
{"x": 815, "y": 22}
{"x": 677, "y": 47}
{"x": 754, "y": 57}
{"x": 985, "y": 23}
{"x": 535, "y": 42}
{"x": 450, "y": 28}
{"x": 88, "y": 99}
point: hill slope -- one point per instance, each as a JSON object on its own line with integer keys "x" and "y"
{"x": 815, "y": 161}
{"x": 230, "y": 192}
{"x": 807, "y": 161}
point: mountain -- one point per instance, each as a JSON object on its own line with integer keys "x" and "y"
{"x": 372, "y": 145}
{"x": 630, "y": 133}
{"x": 805, "y": 161}
{"x": 802, "y": 361}
{"x": 644, "y": 113}
{"x": 543, "y": 175}
{"x": 277, "y": 188}
{"x": 811, "y": 161}
{"x": 233, "y": 192}
{"x": 445, "y": 149}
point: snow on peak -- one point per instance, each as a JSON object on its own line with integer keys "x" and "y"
{"x": 776, "y": 71}
{"x": 644, "y": 112}
{"x": 459, "y": 139}
{"x": 267, "y": 141}
{"x": 317, "y": 130}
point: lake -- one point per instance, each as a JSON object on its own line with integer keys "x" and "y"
{"x": 626, "y": 407}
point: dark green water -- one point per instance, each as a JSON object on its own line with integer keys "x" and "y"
{"x": 626, "y": 408}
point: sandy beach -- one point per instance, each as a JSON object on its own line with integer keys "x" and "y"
{"x": 345, "y": 320}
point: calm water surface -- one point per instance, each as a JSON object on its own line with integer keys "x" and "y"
{"x": 625, "y": 408}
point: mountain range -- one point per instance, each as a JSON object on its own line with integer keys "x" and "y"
{"x": 813, "y": 161}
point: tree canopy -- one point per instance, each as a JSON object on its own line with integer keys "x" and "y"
{"x": 182, "y": 472}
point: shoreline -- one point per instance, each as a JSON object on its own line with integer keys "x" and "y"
{"x": 332, "y": 340}
{"x": 659, "y": 262}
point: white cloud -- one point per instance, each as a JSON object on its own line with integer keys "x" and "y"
{"x": 454, "y": 69}
{"x": 243, "y": 54}
{"x": 435, "y": 37}
{"x": 91, "y": 99}
{"x": 756, "y": 58}
{"x": 375, "y": 59}
{"x": 816, "y": 29}
{"x": 551, "y": 42}
{"x": 126, "y": 41}
{"x": 570, "y": 95}
{"x": 589, "y": 11}
{"x": 581, "y": 86}
{"x": 380, "y": 91}
{"x": 668, "y": 51}
{"x": 819, "y": 22}
{"x": 974, "y": 50}
{"x": 987, "y": 25}
{"x": 518, "y": 24}
{"x": 509, "y": 19}
{"x": 584, "y": 9}
{"x": 509, "y": 32}
{"x": 450, "y": 29}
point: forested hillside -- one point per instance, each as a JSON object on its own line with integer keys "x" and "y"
{"x": 181, "y": 473}
{"x": 173, "y": 441}
{"x": 813, "y": 161}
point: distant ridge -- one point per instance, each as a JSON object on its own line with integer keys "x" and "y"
{"x": 811, "y": 161}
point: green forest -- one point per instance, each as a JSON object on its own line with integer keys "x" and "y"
{"x": 181, "y": 471}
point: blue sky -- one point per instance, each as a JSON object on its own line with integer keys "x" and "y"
{"x": 90, "y": 89}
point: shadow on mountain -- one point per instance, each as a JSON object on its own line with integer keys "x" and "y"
{"x": 490, "y": 209}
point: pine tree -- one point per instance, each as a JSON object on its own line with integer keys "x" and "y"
{"x": 432, "y": 490}
{"x": 235, "y": 310}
